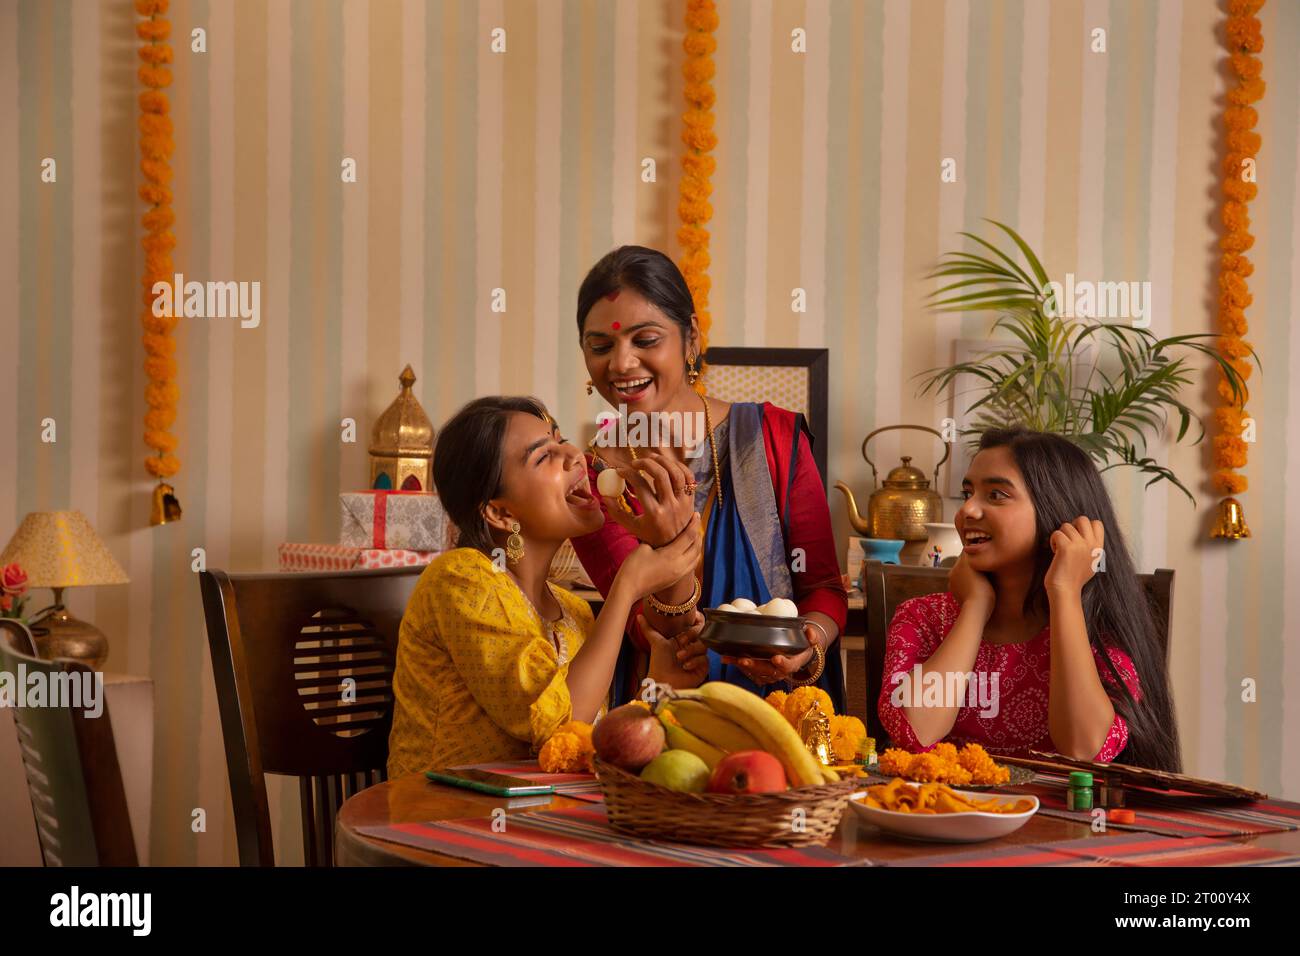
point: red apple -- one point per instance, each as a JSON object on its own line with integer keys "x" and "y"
{"x": 748, "y": 771}
{"x": 629, "y": 737}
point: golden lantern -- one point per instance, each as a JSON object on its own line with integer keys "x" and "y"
{"x": 401, "y": 443}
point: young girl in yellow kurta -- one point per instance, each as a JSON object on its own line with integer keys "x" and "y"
{"x": 491, "y": 656}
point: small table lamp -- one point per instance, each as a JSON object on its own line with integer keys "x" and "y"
{"x": 59, "y": 549}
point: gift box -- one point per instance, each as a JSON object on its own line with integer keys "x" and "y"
{"x": 317, "y": 557}
{"x": 393, "y": 520}
{"x": 337, "y": 557}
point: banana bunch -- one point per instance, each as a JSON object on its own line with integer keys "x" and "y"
{"x": 720, "y": 718}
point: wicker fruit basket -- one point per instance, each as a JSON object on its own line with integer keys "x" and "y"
{"x": 744, "y": 820}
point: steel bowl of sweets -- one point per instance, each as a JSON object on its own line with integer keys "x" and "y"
{"x": 740, "y": 628}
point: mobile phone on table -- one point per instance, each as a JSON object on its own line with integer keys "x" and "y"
{"x": 484, "y": 781}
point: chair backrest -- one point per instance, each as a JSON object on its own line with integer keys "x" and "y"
{"x": 795, "y": 379}
{"x": 69, "y": 756}
{"x": 889, "y": 585}
{"x": 303, "y": 665}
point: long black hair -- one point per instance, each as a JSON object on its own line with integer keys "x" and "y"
{"x": 467, "y": 462}
{"x": 1063, "y": 484}
{"x": 650, "y": 274}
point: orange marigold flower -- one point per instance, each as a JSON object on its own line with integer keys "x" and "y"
{"x": 1244, "y": 8}
{"x": 1248, "y": 91}
{"x": 699, "y": 70}
{"x": 1229, "y": 483}
{"x": 699, "y": 44}
{"x": 156, "y": 194}
{"x": 158, "y": 345}
{"x": 702, "y": 17}
{"x": 162, "y": 466}
{"x": 1244, "y": 34}
{"x": 1232, "y": 262}
{"x": 579, "y": 729}
{"x": 1240, "y": 117}
{"x": 159, "y": 440}
{"x": 159, "y": 418}
{"x": 693, "y": 235}
{"x": 1243, "y": 141}
{"x": 158, "y": 324}
{"x": 561, "y": 754}
{"x": 153, "y": 101}
{"x": 694, "y": 210}
{"x": 156, "y": 170}
{"x": 156, "y": 53}
{"x": 1229, "y": 451}
{"x": 1246, "y": 66}
{"x": 149, "y": 8}
{"x": 1236, "y": 241}
{"x": 777, "y": 699}
{"x": 1225, "y": 392}
{"x": 1238, "y": 189}
{"x": 155, "y": 29}
{"x": 155, "y": 77}
{"x": 1234, "y": 347}
{"x": 702, "y": 139}
{"x": 700, "y": 94}
{"x": 697, "y": 164}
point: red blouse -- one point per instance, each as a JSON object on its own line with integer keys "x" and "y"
{"x": 817, "y": 587}
{"x": 1023, "y": 679}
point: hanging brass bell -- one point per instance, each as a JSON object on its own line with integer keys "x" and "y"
{"x": 1231, "y": 522}
{"x": 164, "y": 507}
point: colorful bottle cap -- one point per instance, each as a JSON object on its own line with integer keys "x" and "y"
{"x": 1121, "y": 816}
{"x": 1078, "y": 798}
{"x": 1080, "y": 778}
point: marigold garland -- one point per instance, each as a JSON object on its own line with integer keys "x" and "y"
{"x": 156, "y": 148}
{"x": 1244, "y": 38}
{"x": 693, "y": 207}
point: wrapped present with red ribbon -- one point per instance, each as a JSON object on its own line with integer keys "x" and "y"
{"x": 393, "y": 520}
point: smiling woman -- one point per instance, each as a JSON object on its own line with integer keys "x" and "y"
{"x": 750, "y": 474}
{"x": 492, "y": 657}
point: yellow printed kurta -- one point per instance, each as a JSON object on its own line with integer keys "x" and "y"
{"x": 478, "y": 675}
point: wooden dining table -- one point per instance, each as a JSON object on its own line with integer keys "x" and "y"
{"x": 414, "y": 799}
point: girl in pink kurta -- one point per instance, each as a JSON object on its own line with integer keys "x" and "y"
{"x": 1045, "y": 639}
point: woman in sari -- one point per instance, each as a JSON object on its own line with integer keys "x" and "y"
{"x": 492, "y": 658}
{"x": 751, "y": 475}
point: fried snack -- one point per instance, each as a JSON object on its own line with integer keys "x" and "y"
{"x": 935, "y": 798}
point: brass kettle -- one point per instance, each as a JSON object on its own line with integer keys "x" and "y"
{"x": 907, "y": 502}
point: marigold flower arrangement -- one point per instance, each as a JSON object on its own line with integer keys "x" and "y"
{"x": 849, "y": 740}
{"x": 156, "y": 148}
{"x": 945, "y": 764}
{"x": 569, "y": 749}
{"x": 1243, "y": 38}
{"x": 698, "y": 166}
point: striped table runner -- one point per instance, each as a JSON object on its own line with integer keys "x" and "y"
{"x": 1126, "y": 849}
{"x": 1170, "y": 816}
{"x": 580, "y": 836}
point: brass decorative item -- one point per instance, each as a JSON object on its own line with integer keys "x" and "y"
{"x": 401, "y": 443}
{"x": 164, "y": 507}
{"x": 905, "y": 504}
{"x": 1231, "y": 521}
{"x": 815, "y": 732}
{"x": 59, "y": 549}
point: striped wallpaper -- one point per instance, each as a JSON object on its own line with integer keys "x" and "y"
{"x": 516, "y": 171}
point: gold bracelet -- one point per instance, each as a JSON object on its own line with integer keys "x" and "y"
{"x": 821, "y": 665}
{"x": 676, "y": 610}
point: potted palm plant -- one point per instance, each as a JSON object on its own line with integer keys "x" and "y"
{"x": 1110, "y": 387}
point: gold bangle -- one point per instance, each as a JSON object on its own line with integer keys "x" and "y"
{"x": 821, "y": 666}
{"x": 675, "y": 610}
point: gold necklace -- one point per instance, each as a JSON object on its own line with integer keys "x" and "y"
{"x": 713, "y": 447}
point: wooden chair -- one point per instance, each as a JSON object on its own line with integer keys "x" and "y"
{"x": 303, "y": 665}
{"x": 889, "y": 585}
{"x": 70, "y": 760}
{"x": 791, "y": 378}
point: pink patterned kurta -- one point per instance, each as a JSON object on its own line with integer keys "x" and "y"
{"x": 1020, "y": 725}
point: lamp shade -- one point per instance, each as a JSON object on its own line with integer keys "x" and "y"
{"x": 59, "y": 549}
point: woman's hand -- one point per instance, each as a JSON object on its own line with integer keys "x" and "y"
{"x": 972, "y": 588}
{"x": 1077, "y": 554}
{"x": 680, "y": 661}
{"x": 648, "y": 569}
{"x": 665, "y": 489}
{"x": 782, "y": 666}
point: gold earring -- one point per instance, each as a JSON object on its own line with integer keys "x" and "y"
{"x": 692, "y": 373}
{"x": 589, "y": 388}
{"x": 514, "y": 545}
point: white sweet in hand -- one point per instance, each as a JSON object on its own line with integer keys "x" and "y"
{"x": 610, "y": 483}
{"x": 744, "y": 605}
